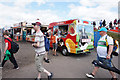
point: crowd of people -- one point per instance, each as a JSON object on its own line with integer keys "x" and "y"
{"x": 111, "y": 25}
{"x": 42, "y": 50}
{"x": 41, "y": 45}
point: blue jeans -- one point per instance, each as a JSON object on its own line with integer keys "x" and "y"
{"x": 104, "y": 61}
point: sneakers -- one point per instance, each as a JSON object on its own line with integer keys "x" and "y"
{"x": 55, "y": 55}
{"x": 114, "y": 79}
{"x": 37, "y": 79}
{"x": 90, "y": 75}
{"x": 50, "y": 77}
{"x": 16, "y": 68}
{"x": 46, "y": 60}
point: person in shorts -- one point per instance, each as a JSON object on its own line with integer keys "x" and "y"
{"x": 39, "y": 46}
{"x": 103, "y": 55}
{"x": 54, "y": 43}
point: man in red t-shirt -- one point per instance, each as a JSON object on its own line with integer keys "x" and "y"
{"x": 8, "y": 47}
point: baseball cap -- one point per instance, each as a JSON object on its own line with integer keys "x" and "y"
{"x": 103, "y": 29}
{"x": 37, "y": 23}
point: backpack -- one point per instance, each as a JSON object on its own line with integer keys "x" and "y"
{"x": 115, "y": 51}
{"x": 47, "y": 44}
{"x": 14, "y": 46}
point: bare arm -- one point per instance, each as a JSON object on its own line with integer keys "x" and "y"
{"x": 36, "y": 44}
{"x": 6, "y": 47}
{"x": 110, "y": 51}
{"x": 48, "y": 37}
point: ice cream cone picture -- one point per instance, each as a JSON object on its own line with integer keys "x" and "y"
{"x": 70, "y": 46}
{"x": 71, "y": 29}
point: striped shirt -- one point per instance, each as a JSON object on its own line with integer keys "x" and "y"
{"x": 39, "y": 37}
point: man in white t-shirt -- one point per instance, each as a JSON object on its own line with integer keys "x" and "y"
{"x": 103, "y": 55}
{"x": 39, "y": 46}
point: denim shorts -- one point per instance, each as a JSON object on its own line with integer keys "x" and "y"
{"x": 104, "y": 61}
{"x": 55, "y": 46}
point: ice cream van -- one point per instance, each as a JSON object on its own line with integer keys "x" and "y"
{"x": 75, "y": 36}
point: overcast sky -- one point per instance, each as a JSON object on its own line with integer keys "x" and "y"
{"x": 15, "y": 11}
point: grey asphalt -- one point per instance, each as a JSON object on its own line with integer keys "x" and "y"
{"x": 73, "y": 66}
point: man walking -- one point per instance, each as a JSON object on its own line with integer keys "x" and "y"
{"x": 40, "y": 51}
{"x": 102, "y": 54}
{"x": 7, "y": 54}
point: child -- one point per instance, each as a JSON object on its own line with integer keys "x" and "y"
{"x": 54, "y": 41}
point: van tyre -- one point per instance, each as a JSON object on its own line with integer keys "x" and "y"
{"x": 65, "y": 51}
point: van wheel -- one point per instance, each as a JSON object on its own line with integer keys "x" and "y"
{"x": 65, "y": 51}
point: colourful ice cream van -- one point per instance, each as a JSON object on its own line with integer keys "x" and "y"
{"x": 75, "y": 36}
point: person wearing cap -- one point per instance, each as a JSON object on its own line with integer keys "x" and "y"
{"x": 102, "y": 54}
{"x": 39, "y": 46}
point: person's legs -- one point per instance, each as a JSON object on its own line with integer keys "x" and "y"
{"x": 39, "y": 65}
{"x": 55, "y": 51}
{"x": 12, "y": 59}
{"x": 91, "y": 75}
{"x": 113, "y": 74}
{"x": 38, "y": 62}
{"x": 108, "y": 62}
{"x": 3, "y": 62}
{"x": 39, "y": 75}
{"x": 47, "y": 72}
{"x": 50, "y": 75}
{"x": 46, "y": 55}
{"x": 95, "y": 70}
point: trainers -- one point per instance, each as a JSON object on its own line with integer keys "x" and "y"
{"x": 47, "y": 61}
{"x": 53, "y": 54}
{"x": 16, "y": 68}
{"x": 114, "y": 79}
{"x": 90, "y": 75}
{"x": 37, "y": 79}
{"x": 56, "y": 54}
{"x": 50, "y": 77}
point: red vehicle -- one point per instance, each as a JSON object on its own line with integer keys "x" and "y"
{"x": 75, "y": 36}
